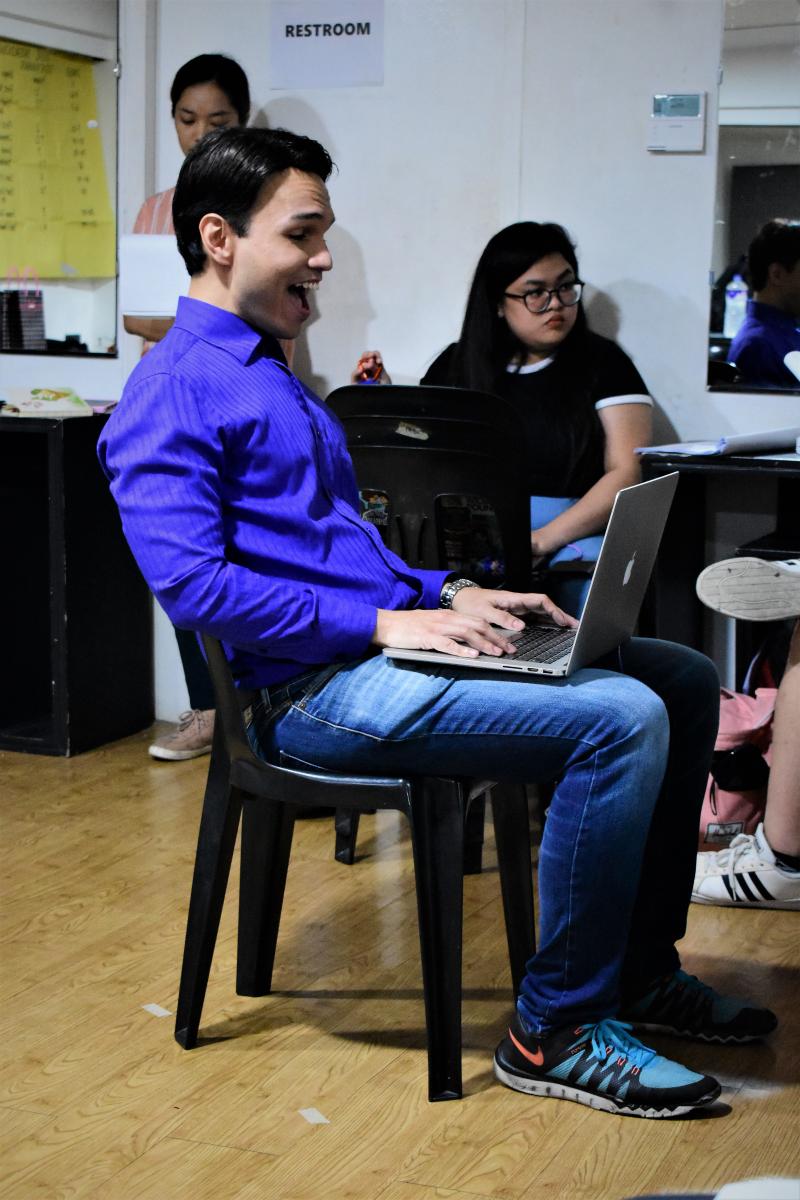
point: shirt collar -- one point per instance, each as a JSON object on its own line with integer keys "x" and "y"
{"x": 768, "y": 314}
{"x": 225, "y": 330}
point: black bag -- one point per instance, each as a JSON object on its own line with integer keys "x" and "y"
{"x": 22, "y": 313}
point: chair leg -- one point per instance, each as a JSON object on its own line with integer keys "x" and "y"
{"x": 222, "y": 806}
{"x": 512, "y": 834}
{"x": 473, "y": 836}
{"x": 437, "y": 833}
{"x": 266, "y": 845}
{"x": 346, "y": 822}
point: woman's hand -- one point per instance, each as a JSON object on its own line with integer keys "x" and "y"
{"x": 466, "y": 629}
{"x": 370, "y": 366}
{"x": 542, "y": 544}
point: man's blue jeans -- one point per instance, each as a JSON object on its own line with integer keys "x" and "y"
{"x": 630, "y": 743}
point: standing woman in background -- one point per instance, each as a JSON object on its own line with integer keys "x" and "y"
{"x": 208, "y": 92}
{"x": 583, "y": 404}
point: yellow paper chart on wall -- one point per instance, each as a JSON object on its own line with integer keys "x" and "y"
{"x": 55, "y": 211}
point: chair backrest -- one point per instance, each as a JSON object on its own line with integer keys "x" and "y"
{"x": 441, "y": 474}
{"x": 228, "y": 702}
{"x": 457, "y": 406}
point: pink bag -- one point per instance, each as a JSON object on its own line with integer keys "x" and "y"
{"x": 736, "y": 793}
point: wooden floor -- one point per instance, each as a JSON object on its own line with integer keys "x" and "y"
{"x": 97, "y": 1100}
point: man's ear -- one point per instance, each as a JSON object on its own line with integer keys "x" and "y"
{"x": 218, "y": 238}
{"x": 776, "y": 273}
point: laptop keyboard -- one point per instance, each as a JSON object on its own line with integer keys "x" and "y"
{"x": 543, "y": 644}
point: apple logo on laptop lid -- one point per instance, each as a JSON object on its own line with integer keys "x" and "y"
{"x": 628, "y": 569}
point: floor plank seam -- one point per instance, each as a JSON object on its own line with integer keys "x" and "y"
{"x": 174, "y": 1137}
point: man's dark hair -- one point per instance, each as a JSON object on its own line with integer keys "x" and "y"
{"x": 776, "y": 242}
{"x": 214, "y": 68}
{"x": 224, "y": 173}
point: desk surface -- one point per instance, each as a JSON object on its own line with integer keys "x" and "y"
{"x": 786, "y": 465}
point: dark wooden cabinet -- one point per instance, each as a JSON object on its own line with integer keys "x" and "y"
{"x": 672, "y": 609}
{"x": 76, "y": 660}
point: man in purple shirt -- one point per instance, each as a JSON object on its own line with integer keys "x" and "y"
{"x": 238, "y": 499}
{"x": 771, "y": 329}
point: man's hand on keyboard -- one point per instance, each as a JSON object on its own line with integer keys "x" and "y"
{"x": 505, "y": 608}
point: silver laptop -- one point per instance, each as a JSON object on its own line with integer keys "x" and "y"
{"x": 615, "y": 595}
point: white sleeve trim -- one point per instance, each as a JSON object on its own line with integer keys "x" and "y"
{"x": 610, "y": 401}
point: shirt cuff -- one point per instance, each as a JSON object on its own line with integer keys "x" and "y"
{"x": 432, "y": 584}
{"x": 345, "y": 627}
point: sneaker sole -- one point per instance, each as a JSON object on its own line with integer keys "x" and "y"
{"x": 752, "y": 589}
{"x": 176, "y": 755}
{"x": 557, "y": 1091}
{"x": 726, "y": 902}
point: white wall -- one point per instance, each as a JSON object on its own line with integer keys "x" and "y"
{"x": 761, "y": 85}
{"x": 428, "y": 164}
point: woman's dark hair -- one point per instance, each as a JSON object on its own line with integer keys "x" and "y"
{"x": 776, "y": 242}
{"x": 224, "y": 173}
{"x": 214, "y": 68}
{"x": 487, "y": 345}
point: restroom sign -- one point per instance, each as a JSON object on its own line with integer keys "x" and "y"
{"x": 325, "y": 43}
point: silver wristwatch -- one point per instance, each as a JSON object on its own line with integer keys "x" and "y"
{"x": 450, "y": 590}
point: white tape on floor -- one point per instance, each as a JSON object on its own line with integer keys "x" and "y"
{"x": 313, "y": 1116}
{"x": 157, "y": 1010}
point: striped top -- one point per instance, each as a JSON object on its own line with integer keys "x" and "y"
{"x": 155, "y": 215}
{"x": 238, "y": 499}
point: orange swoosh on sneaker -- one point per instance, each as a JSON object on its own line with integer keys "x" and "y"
{"x": 537, "y": 1059}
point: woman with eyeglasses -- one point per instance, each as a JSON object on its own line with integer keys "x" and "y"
{"x": 583, "y": 404}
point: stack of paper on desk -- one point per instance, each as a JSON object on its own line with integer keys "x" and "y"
{"x": 736, "y": 443}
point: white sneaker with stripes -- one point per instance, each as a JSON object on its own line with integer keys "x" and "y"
{"x": 745, "y": 875}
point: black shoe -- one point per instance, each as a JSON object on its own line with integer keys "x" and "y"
{"x": 681, "y": 1004}
{"x": 600, "y": 1065}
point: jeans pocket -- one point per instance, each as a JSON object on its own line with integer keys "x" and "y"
{"x": 315, "y": 686}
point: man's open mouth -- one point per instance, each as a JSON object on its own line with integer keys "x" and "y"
{"x": 302, "y": 290}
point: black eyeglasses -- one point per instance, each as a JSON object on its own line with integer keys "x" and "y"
{"x": 538, "y": 300}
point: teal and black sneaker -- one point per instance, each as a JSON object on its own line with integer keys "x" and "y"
{"x": 600, "y": 1065}
{"x": 681, "y": 1004}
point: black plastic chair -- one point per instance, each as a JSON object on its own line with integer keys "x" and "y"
{"x": 268, "y": 797}
{"x": 448, "y": 461}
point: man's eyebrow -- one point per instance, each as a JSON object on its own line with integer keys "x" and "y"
{"x": 312, "y": 215}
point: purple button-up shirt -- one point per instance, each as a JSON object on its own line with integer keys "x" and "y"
{"x": 238, "y": 499}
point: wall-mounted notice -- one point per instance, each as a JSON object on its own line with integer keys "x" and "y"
{"x": 325, "y": 43}
{"x": 55, "y": 212}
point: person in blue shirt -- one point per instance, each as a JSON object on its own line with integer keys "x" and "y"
{"x": 238, "y": 499}
{"x": 771, "y": 328}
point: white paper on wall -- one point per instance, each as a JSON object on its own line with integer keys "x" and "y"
{"x": 325, "y": 43}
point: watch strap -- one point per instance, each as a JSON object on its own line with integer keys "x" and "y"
{"x": 450, "y": 590}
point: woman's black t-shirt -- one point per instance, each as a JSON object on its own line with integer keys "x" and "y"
{"x": 558, "y": 407}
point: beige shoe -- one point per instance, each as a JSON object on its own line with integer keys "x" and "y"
{"x": 192, "y": 738}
